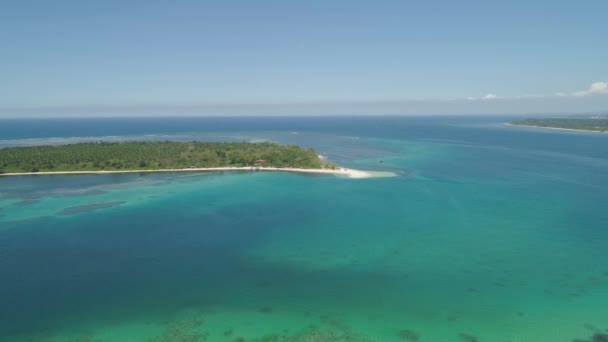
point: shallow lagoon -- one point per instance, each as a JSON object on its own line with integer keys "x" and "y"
{"x": 490, "y": 233}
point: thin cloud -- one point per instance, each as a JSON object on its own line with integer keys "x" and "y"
{"x": 595, "y": 88}
{"x": 485, "y": 97}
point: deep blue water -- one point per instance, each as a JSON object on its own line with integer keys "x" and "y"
{"x": 446, "y": 128}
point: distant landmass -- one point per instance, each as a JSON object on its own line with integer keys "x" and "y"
{"x": 594, "y": 124}
{"x": 156, "y": 156}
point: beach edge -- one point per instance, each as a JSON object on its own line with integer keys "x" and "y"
{"x": 349, "y": 173}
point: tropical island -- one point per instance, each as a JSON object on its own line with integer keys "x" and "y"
{"x": 166, "y": 156}
{"x": 579, "y": 124}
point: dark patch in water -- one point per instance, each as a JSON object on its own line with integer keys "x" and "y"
{"x": 408, "y": 335}
{"x": 24, "y": 196}
{"x": 82, "y": 193}
{"x": 467, "y": 337}
{"x": 452, "y": 318}
{"x": 89, "y": 207}
{"x": 89, "y": 337}
{"x": 25, "y": 202}
{"x": 265, "y": 310}
{"x": 228, "y": 332}
{"x": 29, "y": 220}
{"x": 599, "y": 337}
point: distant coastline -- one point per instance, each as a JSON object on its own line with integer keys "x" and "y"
{"x": 596, "y": 124}
{"x": 349, "y": 173}
{"x": 558, "y": 128}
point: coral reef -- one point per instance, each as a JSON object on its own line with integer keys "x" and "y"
{"x": 183, "y": 330}
{"x": 313, "y": 335}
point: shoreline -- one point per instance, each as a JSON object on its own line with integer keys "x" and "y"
{"x": 558, "y": 128}
{"x": 350, "y": 173}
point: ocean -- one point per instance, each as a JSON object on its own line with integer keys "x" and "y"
{"x": 488, "y": 233}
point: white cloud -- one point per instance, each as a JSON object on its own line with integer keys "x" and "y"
{"x": 599, "y": 88}
{"x": 485, "y": 97}
{"x": 595, "y": 88}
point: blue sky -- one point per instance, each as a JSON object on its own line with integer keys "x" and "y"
{"x": 298, "y": 57}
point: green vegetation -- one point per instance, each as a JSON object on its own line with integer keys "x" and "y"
{"x": 155, "y": 155}
{"x": 596, "y": 125}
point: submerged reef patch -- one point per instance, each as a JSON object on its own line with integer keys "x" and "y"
{"x": 85, "y": 338}
{"x": 408, "y": 335}
{"x": 89, "y": 207}
{"x": 25, "y": 202}
{"x": 184, "y": 330}
{"x": 266, "y": 310}
{"x": 313, "y": 334}
{"x": 9, "y": 224}
{"x": 467, "y": 337}
{"x": 591, "y": 327}
{"x": 78, "y": 193}
{"x": 598, "y": 337}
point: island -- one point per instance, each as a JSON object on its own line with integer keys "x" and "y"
{"x": 166, "y": 156}
{"x": 599, "y": 124}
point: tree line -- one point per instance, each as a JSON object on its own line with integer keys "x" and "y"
{"x": 155, "y": 155}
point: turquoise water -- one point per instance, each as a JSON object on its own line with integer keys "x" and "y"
{"x": 488, "y": 233}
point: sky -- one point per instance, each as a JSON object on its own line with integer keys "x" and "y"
{"x": 302, "y": 57}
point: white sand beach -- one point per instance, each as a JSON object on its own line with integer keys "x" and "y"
{"x": 349, "y": 173}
